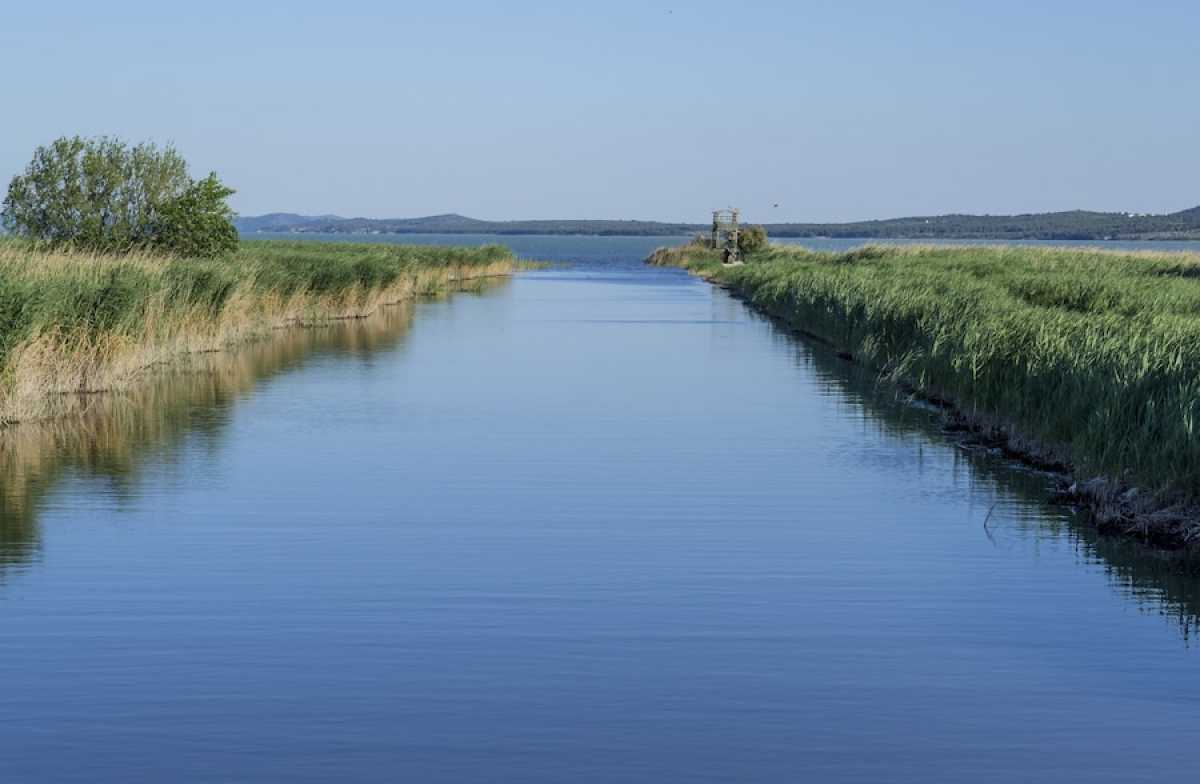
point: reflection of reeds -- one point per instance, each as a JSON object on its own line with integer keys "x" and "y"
{"x": 76, "y": 324}
{"x": 1166, "y": 582}
{"x": 109, "y": 436}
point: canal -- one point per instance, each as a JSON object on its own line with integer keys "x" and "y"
{"x": 595, "y": 523}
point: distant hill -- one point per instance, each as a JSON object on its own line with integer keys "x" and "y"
{"x": 452, "y": 224}
{"x": 1075, "y": 225}
{"x": 279, "y": 221}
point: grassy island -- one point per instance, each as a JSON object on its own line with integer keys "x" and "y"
{"x": 77, "y": 323}
{"x": 1082, "y": 358}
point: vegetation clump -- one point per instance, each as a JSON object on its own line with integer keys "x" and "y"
{"x": 752, "y": 239}
{"x": 103, "y": 195}
{"x": 1087, "y": 358}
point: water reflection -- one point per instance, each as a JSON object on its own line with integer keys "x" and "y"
{"x": 109, "y": 437}
{"x": 1165, "y": 583}
{"x": 112, "y": 437}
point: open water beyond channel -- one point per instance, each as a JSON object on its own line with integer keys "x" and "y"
{"x": 591, "y": 524}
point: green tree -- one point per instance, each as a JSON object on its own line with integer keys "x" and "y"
{"x": 102, "y": 194}
{"x": 198, "y": 222}
{"x": 752, "y": 239}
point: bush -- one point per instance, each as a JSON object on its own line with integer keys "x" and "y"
{"x": 752, "y": 239}
{"x": 101, "y": 194}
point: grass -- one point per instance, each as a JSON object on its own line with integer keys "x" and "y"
{"x": 83, "y": 323}
{"x": 1088, "y": 357}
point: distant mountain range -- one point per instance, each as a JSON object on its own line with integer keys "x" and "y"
{"x": 1076, "y": 225}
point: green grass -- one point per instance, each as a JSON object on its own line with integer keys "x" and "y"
{"x": 1092, "y": 355}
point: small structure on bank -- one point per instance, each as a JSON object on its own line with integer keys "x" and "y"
{"x": 725, "y": 235}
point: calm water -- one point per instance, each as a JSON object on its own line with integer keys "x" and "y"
{"x": 622, "y": 250}
{"x": 591, "y": 524}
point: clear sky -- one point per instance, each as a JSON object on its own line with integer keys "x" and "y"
{"x": 657, "y": 109}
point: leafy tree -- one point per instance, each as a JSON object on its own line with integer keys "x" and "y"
{"x": 198, "y": 222}
{"x": 102, "y": 194}
{"x": 752, "y": 239}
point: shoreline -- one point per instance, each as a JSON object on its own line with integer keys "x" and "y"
{"x": 317, "y": 236}
{"x": 104, "y": 324}
{"x": 1164, "y": 519}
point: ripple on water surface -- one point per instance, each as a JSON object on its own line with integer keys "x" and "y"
{"x": 587, "y": 525}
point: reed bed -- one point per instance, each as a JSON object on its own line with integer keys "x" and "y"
{"x": 1084, "y": 357}
{"x": 75, "y": 323}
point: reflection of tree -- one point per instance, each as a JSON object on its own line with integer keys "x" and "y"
{"x": 110, "y": 436}
{"x": 1167, "y": 583}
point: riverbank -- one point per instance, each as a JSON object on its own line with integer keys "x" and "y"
{"x": 76, "y": 324}
{"x": 1084, "y": 361}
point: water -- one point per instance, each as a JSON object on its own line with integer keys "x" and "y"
{"x": 599, "y": 523}
{"x": 622, "y": 251}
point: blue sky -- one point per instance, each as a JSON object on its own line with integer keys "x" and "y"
{"x": 651, "y": 109}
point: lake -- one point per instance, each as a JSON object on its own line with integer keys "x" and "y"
{"x": 595, "y": 523}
